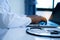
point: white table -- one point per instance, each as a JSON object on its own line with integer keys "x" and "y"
{"x": 20, "y": 34}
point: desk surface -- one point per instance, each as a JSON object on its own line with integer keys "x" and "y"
{"x": 20, "y": 34}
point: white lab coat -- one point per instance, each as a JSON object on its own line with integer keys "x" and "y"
{"x": 10, "y": 19}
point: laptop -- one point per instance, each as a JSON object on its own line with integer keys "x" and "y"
{"x": 55, "y": 20}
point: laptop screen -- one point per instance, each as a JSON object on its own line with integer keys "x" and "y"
{"x": 55, "y": 17}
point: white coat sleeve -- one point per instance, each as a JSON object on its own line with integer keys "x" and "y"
{"x": 18, "y": 21}
{"x": 4, "y": 9}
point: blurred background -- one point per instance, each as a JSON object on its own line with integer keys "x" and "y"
{"x": 43, "y": 8}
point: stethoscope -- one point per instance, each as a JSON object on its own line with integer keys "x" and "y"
{"x": 52, "y": 33}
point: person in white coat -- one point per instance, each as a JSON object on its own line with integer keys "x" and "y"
{"x": 10, "y": 20}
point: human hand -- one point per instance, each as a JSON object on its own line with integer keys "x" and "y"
{"x": 37, "y": 19}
